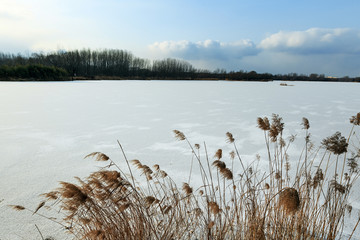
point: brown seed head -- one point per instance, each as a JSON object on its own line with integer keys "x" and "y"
{"x": 226, "y": 173}
{"x": 51, "y": 195}
{"x": 69, "y": 190}
{"x": 355, "y": 119}
{"x": 218, "y": 154}
{"x": 319, "y": 176}
{"x": 273, "y": 133}
{"x": 156, "y": 167}
{"x": 353, "y": 164}
{"x": 276, "y": 128}
{"x": 305, "y": 123}
{"x": 187, "y": 189}
{"x": 214, "y": 207}
{"x": 179, "y": 135}
{"x": 337, "y": 186}
{"x": 99, "y": 156}
{"x": 229, "y": 138}
{"x": 336, "y": 144}
{"x": 219, "y": 164}
{"x": 289, "y": 200}
{"x": 136, "y": 163}
{"x": 197, "y": 146}
{"x": 163, "y": 173}
{"x": 147, "y": 170}
{"x": 109, "y": 177}
{"x": 277, "y": 122}
{"x": 149, "y": 200}
{"x": 263, "y": 123}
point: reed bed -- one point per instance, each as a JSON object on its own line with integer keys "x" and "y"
{"x": 308, "y": 200}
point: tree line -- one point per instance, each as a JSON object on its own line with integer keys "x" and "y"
{"x": 108, "y": 63}
{"x": 122, "y": 64}
{"x": 32, "y": 72}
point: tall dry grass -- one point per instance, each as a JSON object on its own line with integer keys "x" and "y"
{"x": 305, "y": 201}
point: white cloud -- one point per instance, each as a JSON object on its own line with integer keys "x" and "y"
{"x": 314, "y": 41}
{"x": 205, "y": 49}
{"x": 311, "y": 41}
{"x": 328, "y": 51}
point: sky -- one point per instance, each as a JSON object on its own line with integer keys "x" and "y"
{"x": 278, "y": 36}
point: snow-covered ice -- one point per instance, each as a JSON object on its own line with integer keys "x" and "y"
{"x": 46, "y": 129}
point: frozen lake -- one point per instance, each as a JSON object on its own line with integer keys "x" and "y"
{"x": 46, "y": 129}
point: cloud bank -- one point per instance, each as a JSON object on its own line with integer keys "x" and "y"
{"x": 314, "y": 41}
{"x": 206, "y": 49}
{"x": 329, "y": 51}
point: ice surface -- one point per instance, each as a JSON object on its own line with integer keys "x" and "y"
{"x": 46, "y": 128}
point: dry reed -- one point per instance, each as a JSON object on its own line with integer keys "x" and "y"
{"x": 278, "y": 203}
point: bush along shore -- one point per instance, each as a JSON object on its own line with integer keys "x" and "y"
{"x": 115, "y": 64}
{"x": 32, "y": 72}
{"x": 307, "y": 199}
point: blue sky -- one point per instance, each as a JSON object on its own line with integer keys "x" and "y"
{"x": 266, "y": 36}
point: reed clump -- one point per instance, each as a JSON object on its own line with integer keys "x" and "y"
{"x": 233, "y": 200}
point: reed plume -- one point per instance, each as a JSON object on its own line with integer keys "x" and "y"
{"x": 99, "y": 156}
{"x": 187, "y": 189}
{"x": 305, "y": 123}
{"x": 179, "y": 135}
{"x": 229, "y": 137}
{"x": 336, "y": 143}
{"x": 355, "y": 119}
{"x": 218, "y": 154}
{"x": 263, "y": 123}
{"x": 289, "y": 200}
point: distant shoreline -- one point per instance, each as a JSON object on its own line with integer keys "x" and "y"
{"x": 110, "y": 78}
{"x": 115, "y": 64}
